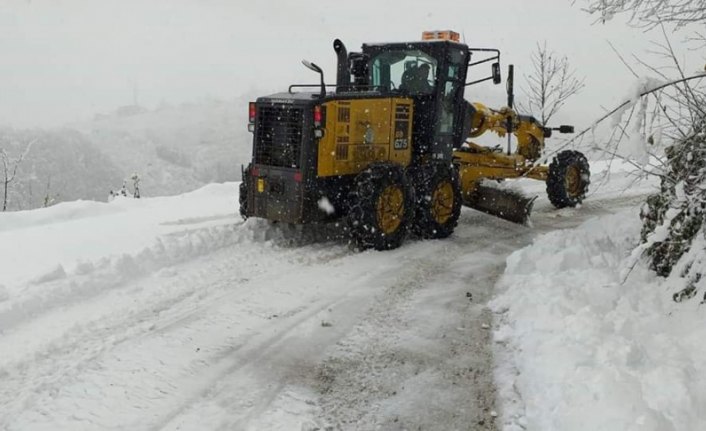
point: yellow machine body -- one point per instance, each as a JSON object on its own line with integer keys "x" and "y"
{"x": 359, "y": 132}
{"x": 477, "y": 162}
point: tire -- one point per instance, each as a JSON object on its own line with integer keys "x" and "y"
{"x": 243, "y": 199}
{"x": 568, "y": 179}
{"x": 381, "y": 207}
{"x": 438, "y": 200}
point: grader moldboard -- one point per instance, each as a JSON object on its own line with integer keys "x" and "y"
{"x": 387, "y": 149}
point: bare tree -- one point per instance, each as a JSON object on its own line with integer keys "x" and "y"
{"x": 649, "y": 13}
{"x": 9, "y": 169}
{"x": 551, "y": 83}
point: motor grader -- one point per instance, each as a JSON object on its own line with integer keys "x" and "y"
{"x": 387, "y": 147}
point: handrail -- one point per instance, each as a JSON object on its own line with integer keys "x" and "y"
{"x": 308, "y": 86}
{"x": 351, "y": 87}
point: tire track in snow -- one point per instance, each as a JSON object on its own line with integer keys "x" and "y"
{"x": 284, "y": 364}
{"x": 370, "y": 379}
{"x": 237, "y": 365}
{"x": 83, "y": 343}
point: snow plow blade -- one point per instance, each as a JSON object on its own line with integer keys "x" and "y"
{"x": 506, "y": 204}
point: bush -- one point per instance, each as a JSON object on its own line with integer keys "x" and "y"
{"x": 673, "y": 219}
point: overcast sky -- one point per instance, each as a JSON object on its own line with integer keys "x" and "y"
{"x": 64, "y": 60}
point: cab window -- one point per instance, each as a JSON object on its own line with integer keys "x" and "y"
{"x": 452, "y": 85}
{"x": 407, "y": 71}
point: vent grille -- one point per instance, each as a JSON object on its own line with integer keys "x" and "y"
{"x": 342, "y": 152}
{"x": 344, "y": 115}
{"x": 279, "y": 136}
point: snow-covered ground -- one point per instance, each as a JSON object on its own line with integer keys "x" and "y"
{"x": 172, "y": 313}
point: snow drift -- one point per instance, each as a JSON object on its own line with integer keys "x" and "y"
{"x": 585, "y": 341}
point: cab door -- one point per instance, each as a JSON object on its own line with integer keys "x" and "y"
{"x": 450, "y": 101}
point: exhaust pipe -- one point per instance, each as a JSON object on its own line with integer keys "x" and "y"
{"x": 343, "y": 74}
{"x": 506, "y": 204}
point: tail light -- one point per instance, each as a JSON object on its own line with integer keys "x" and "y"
{"x": 298, "y": 176}
{"x": 252, "y": 112}
{"x": 318, "y": 116}
{"x": 255, "y": 171}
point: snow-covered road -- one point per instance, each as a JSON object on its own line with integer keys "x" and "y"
{"x": 184, "y": 317}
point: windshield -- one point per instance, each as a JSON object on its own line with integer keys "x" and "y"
{"x": 409, "y": 71}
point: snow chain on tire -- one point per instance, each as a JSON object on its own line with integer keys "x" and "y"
{"x": 243, "y": 200}
{"x": 369, "y": 208}
{"x": 568, "y": 179}
{"x": 438, "y": 200}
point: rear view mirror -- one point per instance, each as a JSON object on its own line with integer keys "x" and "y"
{"x": 312, "y": 66}
{"x": 317, "y": 69}
{"x": 497, "y": 77}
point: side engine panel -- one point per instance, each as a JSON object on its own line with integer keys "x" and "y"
{"x": 359, "y": 132}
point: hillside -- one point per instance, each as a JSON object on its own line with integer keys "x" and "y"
{"x": 174, "y": 149}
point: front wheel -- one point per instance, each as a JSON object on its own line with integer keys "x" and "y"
{"x": 438, "y": 200}
{"x": 568, "y": 179}
{"x": 381, "y": 207}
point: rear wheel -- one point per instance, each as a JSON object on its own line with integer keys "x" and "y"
{"x": 568, "y": 180}
{"x": 243, "y": 200}
{"x": 381, "y": 207}
{"x": 438, "y": 200}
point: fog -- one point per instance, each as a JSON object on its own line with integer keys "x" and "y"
{"x": 66, "y": 60}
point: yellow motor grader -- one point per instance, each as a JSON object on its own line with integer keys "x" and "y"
{"x": 387, "y": 148}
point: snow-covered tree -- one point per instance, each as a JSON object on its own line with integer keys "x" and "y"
{"x": 650, "y": 13}
{"x": 551, "y": 83}
{"x": 674, "y": 232}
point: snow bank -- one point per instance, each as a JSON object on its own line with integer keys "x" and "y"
{"x": 579, "y": 349}
{"x": 50, "y": 256}
{"x": 34, "y": 243}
